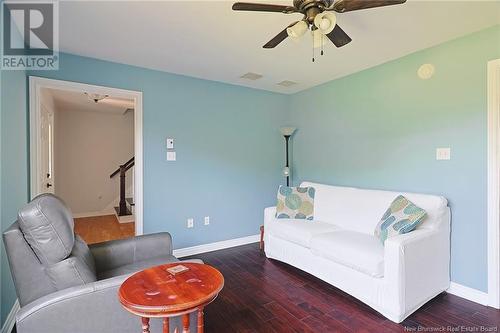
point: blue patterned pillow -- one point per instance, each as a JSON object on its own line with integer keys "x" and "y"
{"x": 401, "y": 217}
{"x": 295, "y": 203}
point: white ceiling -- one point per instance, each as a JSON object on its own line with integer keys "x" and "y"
{"x": 68, "y": 100}
{"x": 206, "y": 39}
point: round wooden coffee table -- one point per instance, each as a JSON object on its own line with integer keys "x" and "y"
{"x": 155, "y": 292}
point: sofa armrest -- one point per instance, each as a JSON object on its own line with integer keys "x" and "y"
{"x": 269, "y": 214}
{"x": 416, "y": 265}
{"x": 113, "y": 254}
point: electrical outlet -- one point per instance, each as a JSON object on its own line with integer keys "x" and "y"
{"x": 171, "y": 156}
{"x": 207, "y": 220}
{"x": 190, "y": 223}
{"x": 443, "y": 154}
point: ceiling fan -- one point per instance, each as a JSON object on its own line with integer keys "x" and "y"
{"x": 317, "y": 18}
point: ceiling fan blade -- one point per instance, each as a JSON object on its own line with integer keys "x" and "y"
{"x": 342, "y": 6}
{"x": 263, "y": 7}
{"x": 278, "y": 38}
{"x": 339, "y": 37}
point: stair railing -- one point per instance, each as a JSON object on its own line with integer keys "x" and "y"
{"x": 122, "y": 170}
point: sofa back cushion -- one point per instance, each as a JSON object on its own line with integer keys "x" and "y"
{"x": 361, "y": 209}
{"x": 47, "y": 225}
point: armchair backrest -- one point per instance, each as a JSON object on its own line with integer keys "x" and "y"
{"x": 43, "y": 252}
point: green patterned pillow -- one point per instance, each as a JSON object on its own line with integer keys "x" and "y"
{"x": 401, "y": 217}
{"x": 295, "y": 203}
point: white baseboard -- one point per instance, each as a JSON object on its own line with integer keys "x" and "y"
{"x": 93, "y": 214}
{"x": 471, "y": 294}
{"x": 189, "y": 251}
{"x": 10, "y": 321}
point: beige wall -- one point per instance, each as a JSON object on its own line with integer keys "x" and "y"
{"x": 89, "y": 146}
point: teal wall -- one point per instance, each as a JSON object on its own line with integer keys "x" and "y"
{"x": 14, "y": 166}
{"x": 379, "y": 128}
{"x": 227, "y": 141}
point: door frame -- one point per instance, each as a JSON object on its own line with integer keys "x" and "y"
{"x": 35, "y": 86}
{"x": 494, "y": 183}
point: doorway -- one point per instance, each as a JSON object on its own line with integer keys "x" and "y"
{"x": 86, "y": 147}
{"x": 494, "y": 183}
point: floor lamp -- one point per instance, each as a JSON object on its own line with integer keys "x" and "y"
{"x": 287, "y": 133}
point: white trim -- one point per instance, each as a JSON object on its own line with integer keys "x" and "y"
{"x": 189, "y": 251}
{"x": 37, "y": 83}
{"x": 493, "y": 183}
{"x": 471, "y": 294}
{"x": 93, "y": 214}
{"x": 8, "y": 325}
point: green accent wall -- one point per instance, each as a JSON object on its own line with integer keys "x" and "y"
{"x": 379, "y": 128}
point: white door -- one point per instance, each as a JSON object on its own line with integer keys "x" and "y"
{"x": 46, "y": 176}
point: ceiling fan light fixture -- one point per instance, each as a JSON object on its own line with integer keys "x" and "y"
{"x": 325, "y": 22}
{"x": 297, "y": 30}
{"x": 96, "y": 97}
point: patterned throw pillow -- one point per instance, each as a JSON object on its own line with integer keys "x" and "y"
{"x": 401, "y": 217}
{"x": 295, "y": 203}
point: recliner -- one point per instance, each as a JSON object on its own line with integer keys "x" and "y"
{"x": 63, "y": 285}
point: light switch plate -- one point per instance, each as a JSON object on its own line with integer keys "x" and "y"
{"x": 170, "y": 143}
{"x": 443, "y": 154}
{"x": 206, "y": 221}
{"x": 190, "y": 223}
{"x": 171, "y": 156}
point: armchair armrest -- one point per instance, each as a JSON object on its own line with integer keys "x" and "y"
{"x": 113, "y": 254}
{"x": 416, "y": 265}
{"x": 92, "y": 307}
{"x": 85, "y": 308}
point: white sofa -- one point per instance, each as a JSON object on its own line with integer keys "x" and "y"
{"x": 340, "y": 248}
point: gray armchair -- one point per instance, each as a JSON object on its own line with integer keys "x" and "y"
{"x": 63, "y": 285}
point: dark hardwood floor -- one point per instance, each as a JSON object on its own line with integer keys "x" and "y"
{"x": 262, "y": 295}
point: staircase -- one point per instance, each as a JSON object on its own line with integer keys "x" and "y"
{"x": 125, "y": 210}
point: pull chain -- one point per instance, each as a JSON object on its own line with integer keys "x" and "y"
{"x": 313, "y": 49}
{"x": 322, "y": 42}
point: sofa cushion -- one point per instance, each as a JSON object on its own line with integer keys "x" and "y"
{"x": 295, "y": 203}
{"x": 298, "y": 231}
{"x": 47, "y": 225}
{"x": 356, "y": 250}
{"x": 360, "y": 209}
{"x": 137, "y": 266}
{"x": 401, "y": 217}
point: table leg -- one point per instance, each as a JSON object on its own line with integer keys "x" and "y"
{"x": 166, "y": 325}
{"x": 200, "y": 320}
{"x": 145, "y": 325}
{"x": 185, "y": 323}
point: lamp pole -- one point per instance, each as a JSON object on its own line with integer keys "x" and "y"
{"x": 287, "y": 138}
{"x": 287, "y": 133}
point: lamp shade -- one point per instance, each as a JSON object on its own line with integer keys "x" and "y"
{"x": 287, "y": 131}
{"x": 297, "y": 30}
{"x": 325, "y": 22}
